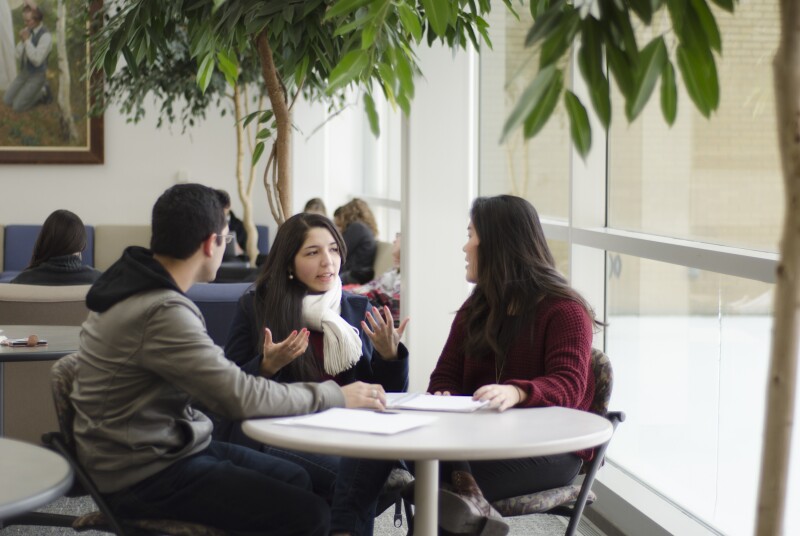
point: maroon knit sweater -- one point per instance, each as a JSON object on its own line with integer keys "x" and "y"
{"x": 550, "y": 359}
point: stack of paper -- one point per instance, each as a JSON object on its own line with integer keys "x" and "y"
{"x": 426, "y": 402}
{"x": 359, "y": 420}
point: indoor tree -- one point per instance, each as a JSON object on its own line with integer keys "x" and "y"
{"x": 192, "y": 53}
{"x": 603, "y": 32}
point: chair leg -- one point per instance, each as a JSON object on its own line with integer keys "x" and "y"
{"x": 40, "y": 519}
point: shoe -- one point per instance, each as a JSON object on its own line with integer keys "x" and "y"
{"x": 464, "y": 509}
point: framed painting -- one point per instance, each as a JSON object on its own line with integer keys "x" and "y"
{"x": 45, "y": 89}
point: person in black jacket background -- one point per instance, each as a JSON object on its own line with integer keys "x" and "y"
{"x": 359, "y": 230}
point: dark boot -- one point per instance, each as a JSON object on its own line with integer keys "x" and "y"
{"x": 465, "y": 510}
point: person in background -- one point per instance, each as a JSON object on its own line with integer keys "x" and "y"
{"x": 523, "y": 338}
{"x": 357, "y": 224}
{"x": 145, "y": 358}
{"x": 56, "y": 259}
{"x": 385, "y": 290}
{"x": 30, "y": 87}
{"x": 315, "y": 205}
{"x": 235, "y": 225}
{"x": 298, "y": 325}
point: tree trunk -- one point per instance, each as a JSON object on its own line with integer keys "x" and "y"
{"x": 245, "y": 190}
{"x": 68, "y": 129}
{"x": 783, "y": 363}
{"x": 283, "y": 121}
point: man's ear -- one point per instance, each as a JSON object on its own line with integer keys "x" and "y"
{"x": 208, "y": 245}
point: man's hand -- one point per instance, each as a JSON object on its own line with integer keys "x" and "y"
{"x": 364, "y": 395}
{"x": 24, "y": 34}
{"x": 278, "y": 355}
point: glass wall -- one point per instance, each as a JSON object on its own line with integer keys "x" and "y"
{"x": 689, "y": 340}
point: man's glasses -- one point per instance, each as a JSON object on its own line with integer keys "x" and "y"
{"x": 226, "y": 238}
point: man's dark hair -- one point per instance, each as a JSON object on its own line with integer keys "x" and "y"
{"x": 183, "y": 217}
{"x": 224, "y": 198}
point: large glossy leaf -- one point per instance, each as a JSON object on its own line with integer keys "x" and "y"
{"x": 590, "y": 62}
{"x": 529, "y": 99}
{"x": 438, "y": 14}
{"x": 579, "y": 128}
{"x": 229, "y": 66}
{"x": 257, "y": 152}
{"x": 707, "y": 23}
{"x": 538, "y": 117}
{"x": 410, "y": 21}
{"x": 372, "y": 114}
{"x": 205, "y": 71}
{"x": 669, "y": 93}
{"x": 621, "y": 68}
{"x": 651, "y": 63}
{"x": 347, "y": 70}
{"x": 699, "y": 72}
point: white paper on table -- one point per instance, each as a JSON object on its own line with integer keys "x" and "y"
{"x": 426, "y": 402}
{"x": 359, "y": 420}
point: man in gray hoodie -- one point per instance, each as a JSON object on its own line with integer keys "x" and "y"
{"x": 145, "y": 356}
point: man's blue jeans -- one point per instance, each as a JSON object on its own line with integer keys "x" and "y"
{"x": 351, "y": 485}
{"x": 233, "y": 488}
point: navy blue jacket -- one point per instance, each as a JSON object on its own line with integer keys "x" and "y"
{"x": 243, "y": 347}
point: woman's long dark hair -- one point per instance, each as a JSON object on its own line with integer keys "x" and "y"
{"x": 516, "y": 271}
{"x": 279, "y": 299}
{"x": 62, "y": 233}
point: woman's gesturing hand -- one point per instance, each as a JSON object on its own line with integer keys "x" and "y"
{"x": 279, "y": 354}
{"x": 382, "y": 333}
{"x": 500, "y": 397}
{"x": 364, "y": 395}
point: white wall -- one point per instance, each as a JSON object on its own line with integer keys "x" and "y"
{"x": 436, "y": 198}
{"x": 140, "y": 163}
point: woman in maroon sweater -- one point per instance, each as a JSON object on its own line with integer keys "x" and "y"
{"x": 522, "y": 339}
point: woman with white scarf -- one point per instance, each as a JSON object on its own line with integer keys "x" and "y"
{"x": 299, "y": 324}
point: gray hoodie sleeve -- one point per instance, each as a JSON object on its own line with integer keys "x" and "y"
{"x": 178, "y": 348}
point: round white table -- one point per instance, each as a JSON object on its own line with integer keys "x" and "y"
{"x": 32, "y": 476}
{"x": 482, "y": 435}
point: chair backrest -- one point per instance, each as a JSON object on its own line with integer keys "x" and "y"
{"x": 113, "y": 239}
{"x": 62, "y": 376}
{"x": 19, "y": 242}
{"x": 603, "y": 382}
{"x": 383, "y": 258}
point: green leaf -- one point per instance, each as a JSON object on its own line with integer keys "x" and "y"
{"x": 229, "y": 66}
{"x": 727, "y": 5}
{"x": 217, "y": 5}
{"x": 651, "y": 63}
{"x": 699, "y": 72}
{"x": 404, "y": 74}
{"x": 368, "y": 37}
{"x": 621, "y": 68}
{"x": 560, "y": 40}
{"x": 410, "y": 21}
{"x": 257, "y": 153}
{"x": 590, "y": 62}
{"x": 529, "y": 99}
{"x": 579, "y": 128}
{"x": 438, "y": 14}
{"x": 343, "y": 7}
{"x": 372, "y": 114}
{"x": 347, "y": 70}
{"x": 264, "y": 133}
{"x": 249, "y": 119}
{"x": 707, "y": 23}
{"x": 669, "y": 93}
{"x": 265, "y": 116}
{"x": 545, "y": 24}
{"x": 130, "y": 60}
{"x": 644, "y": 10}
{"x": 205, "y": 71}
{"x": 538, "y": 117}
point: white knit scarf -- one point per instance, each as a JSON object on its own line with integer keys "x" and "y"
{"x": 341, "y": 344}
